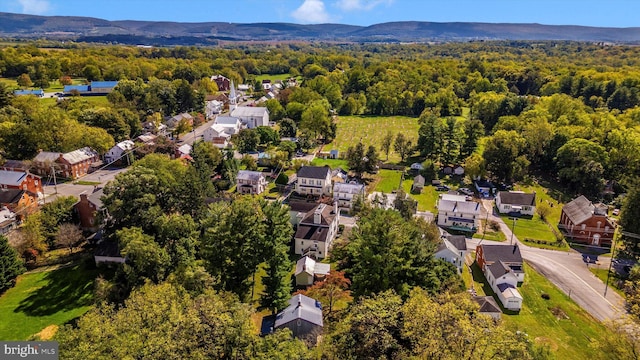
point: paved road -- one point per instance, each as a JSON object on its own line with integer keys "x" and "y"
{"x": 100, "y": 177}
{"x": 569, "y": 272}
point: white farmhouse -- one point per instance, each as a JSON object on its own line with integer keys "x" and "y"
{"x": 460, "y": 215}
{"x": 516, "y": 202}
{"x": 118, "y": 150}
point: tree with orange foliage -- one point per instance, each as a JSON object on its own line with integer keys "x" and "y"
{"x": 329, "y": 291}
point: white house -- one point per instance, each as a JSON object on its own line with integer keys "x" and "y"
{"x": 502, "y": 267}
{"x": 212, "y": 108}
{"x": 308, "y": 270}
{"x": 314, "y": 180}
{"x": 316, "y": 231}
{"x": 118, "y": 150}
{"x": 221, "y": 131}
{"x": 452, "y": 249}
{"x": 461, "y": 215}
{"x": 458, "y": 170}
{"x": 252, "y": 116}
{"x": 7, "y": 220}
{"x": 250, "y": 182}
{"x": 176, "y": 119}
{"x": 343, "y": 193}
{"x": 516, "y": 202}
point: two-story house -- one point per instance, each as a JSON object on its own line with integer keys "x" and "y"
{"x": 502, "y": 266}
{"x": 452, "y": 249}
{"x": 250, "y": 182}
{"x": 173, "y": 121}
{"x": 118, "y": 150}
{"x": 517, "y": 202}
{"x": 21, "y": 202}
{"x": 344, "y": 193}
{"x": 314, "y": 180}
{"x": 587, "y": 223}
{"x": 72, "y": 165}
{"x": 90, "y": 209}
{"x": 221, "y": 131}
{"x": 22, "y": 180}
{"x": 252, "y": 116}
{"x": 223, "y": 83}
{"x": 459, "y": 215}
{"x": 316, "y": 231}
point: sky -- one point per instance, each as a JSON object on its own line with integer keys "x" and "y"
{"x": 607, "y": 13}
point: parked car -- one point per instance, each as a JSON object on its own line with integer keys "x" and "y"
{"x": 465, "y": 191}
{"x": 442, "y": 188}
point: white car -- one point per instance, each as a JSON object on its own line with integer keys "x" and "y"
{"x": 465, "y": 191}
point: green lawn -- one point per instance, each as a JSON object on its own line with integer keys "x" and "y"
{"x": 387, "y": 181}
{"x": 558, "y": 322}
{"x": 333, "y": 163}
{"x": 426, "y": 199}
{"x": 371, "y": 130}
{"x": 45, "y": 298}
{"x": 546, "y": 194}
{"x": 533, "y": 228}
{"x": 491, "y": 235}
{"x": 273, "y": 78}
{"x": 613, "y": 279}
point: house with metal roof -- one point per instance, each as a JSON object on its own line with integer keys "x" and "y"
{"x": 459, "y": 215}
{"x": 344, "y": 193}
{"x": 516, "y": 202}
{"x": 586, "y": 222}
{"x": 502, "y": 266}
{"x": 71, "y": 165}
{"x": 102, "y": 87}
{"x": 303, "y": 317}
{"x": 308, "y": 271}
{"x": 118, "y": 150}
{"x": 22, "y": 180}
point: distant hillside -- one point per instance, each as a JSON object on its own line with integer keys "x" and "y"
{"x": 131, "y": 31}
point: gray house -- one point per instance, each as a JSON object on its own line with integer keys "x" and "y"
{"x": 303, "y": 317}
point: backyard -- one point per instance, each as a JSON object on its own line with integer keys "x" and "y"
{"x": 46, "y": 299}
{"x": 558, "y": 322}
{"x": 371, "y": 131}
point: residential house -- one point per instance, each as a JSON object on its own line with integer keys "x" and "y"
{"x": 458, "y": 170}
{"x": 73, "y": 165}
{"x": 173, "y": 121}
{"x": 154, "y": 128}
{"x": 308, "y": 271}
{"x": 459, "y": 215}
{"x": 7, "y": 220}
{"x": 517, "y": 202}
{"x": 38, "y": 92}
{"x": 22, "y": 180}
{"x": 303, "y": 317}
{"x": 252, "y": 116}
{"x": 21, "y": 202}
{"x": 147, "y": 139}
{"x": 447, "y": 170}
{"x": 221, "y": 131}
{"x": 250, "y": 182}
{"x": 15, "y": 165}
{"x": 314, "y": 180}
{"x": 223, "y": 83}
{"x": 184, "y": 152}
{"x": 264, "y": 159}
{"x": 298, "y": 210}
{"x": 316, "y": 231}
{"x": 503, "y": 268}
{"x": 418, "y": 184}
{"x": 452, "y": 249}
{"x": 213, "y": 108}
{"x": 266, "y": 84}
{"x": 108, "y": 252}
{"x": 118, "y": 150}
{"x": 344, "y": 193}
{"x": 488, "y": 306}
{"x": 339, "y": 176}
{"x": 89, "y": 209}
{"x": 587, "y": 223}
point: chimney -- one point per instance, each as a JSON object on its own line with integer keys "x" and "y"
{"x": 317, "y": 214}
{"x": 83, "y": 197}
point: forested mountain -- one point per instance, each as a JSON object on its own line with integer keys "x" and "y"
{"x": 156, "y": 32}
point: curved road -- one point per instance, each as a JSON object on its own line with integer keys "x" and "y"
{"x": 569, "y": 272}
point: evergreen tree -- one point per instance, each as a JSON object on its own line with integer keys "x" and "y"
{"x": 10, "y": 265}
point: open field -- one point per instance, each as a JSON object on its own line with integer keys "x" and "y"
{"x": 559, "y": 322}
{"x": 333, "y": 163}
{"x": 46, "y": 298}
{"x": 386, "y": 181}
{"x": 426, "y": 199}
{"x": 371, "y": 130}
{"x": 273, "y": 78}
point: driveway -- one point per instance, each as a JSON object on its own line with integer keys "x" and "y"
{"x": 570, "y": 273}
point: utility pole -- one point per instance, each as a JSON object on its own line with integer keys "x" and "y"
{"x": 55, "y": 184}
{"x": 613, "y": 250}
{"x": 513, "y": 229}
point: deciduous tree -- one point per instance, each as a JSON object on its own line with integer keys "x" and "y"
{"x": 402, "y": 146}
{"x": 68, "y": 235}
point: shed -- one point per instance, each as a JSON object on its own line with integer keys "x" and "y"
{"x": 418, "y": 184}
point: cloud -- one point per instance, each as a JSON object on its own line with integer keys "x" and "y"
{"x": 360, "y": 5}
{"x": 35, "y": 7}
{"x": 311, "y": 11}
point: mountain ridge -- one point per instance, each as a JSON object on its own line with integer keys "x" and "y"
{"x": 101, "y": 30}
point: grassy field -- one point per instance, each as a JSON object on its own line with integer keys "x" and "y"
{"x": 613, "y": 279}
{"x": 273, "y": 78}
{"x": 426, "y": 199}
{"x": 491, "y": 235}
{"x": 42, "y": 299}
{"x": 371, "y": 130}
{"x": 333, "y": 163}
{"x": 533, "y": 228}
{"x": 546, "y": 194}
{"x": 386, "y": 181}
{"x": 559, "y": 322}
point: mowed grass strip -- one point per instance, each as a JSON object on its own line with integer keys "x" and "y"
{"x": 371, "y": 130}
{"x": 46, "y": 298}
{"x": 533, "y": 228}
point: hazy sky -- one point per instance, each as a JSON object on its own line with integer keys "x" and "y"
{"x": 612, "y": 13}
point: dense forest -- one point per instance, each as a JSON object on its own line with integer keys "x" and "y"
{"x": 508, "y": 111}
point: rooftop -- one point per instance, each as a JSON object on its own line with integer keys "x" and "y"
{"x": 469, "y": 207}
{"x": 348, "y": 188}
{"x": 300, "y": 307}
{"x": 249, "y": 175}
{"x": 249, "y": 111}
{"x": 12, "y": 178}
{"x": 579, "y": 210}
{"x": 505, "y": 253}
{"x": 314, "y": 172}
{"x": 487, "y": 304}
{"x": 76, "y": 156}
{"x": 517, "y": 198}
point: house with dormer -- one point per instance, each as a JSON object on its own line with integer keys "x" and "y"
{"x": 502, "y": 266}
{"x": 314, "y": 181}
{"x": 316, "y": 231}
